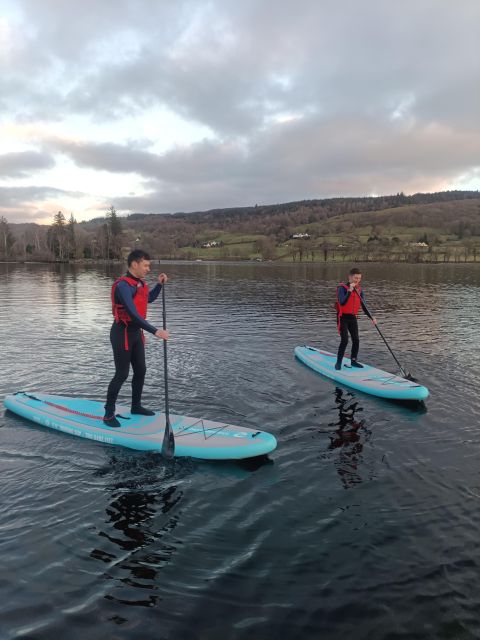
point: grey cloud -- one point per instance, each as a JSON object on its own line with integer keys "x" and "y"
{"x": 334, "y": 146}
{"x": 207, "y": 160}
{"x": 23, "y": 163}
{"x": 111, "y": 157}
{"x": 303, "y": 159}
{"x": 221, "y": 67}
{"x": 20, "y": 204}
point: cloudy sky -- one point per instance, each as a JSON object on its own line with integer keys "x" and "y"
{"x": 181, "y": 105}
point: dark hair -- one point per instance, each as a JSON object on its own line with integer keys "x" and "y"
{"x": 352, "y": 272}
{"x": 137, "y": 256}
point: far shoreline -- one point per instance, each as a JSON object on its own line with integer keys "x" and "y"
{"x": 255, "y": 261}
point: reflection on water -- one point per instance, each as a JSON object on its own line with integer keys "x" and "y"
{"x": 102, "y": 542}
{"x": 144, "y": 490}
{"x": 130, "y": 514}
{"x": 349, "y": 437}
{"x": 137, "y": 540}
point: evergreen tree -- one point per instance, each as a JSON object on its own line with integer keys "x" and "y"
{"x": 57, "y": 237}
{"x": 114, "y": 222}
{"x": 71, "y": 237}
{"x": 113, "y": 233}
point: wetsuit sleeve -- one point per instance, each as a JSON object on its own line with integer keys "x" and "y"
{"x": 365, "y": 310}
{"x": 154, "y": 293}
{"x": 343, "y": 295}
{"x": 124, "y": 293}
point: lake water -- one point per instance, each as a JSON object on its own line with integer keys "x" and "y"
{"x": 363, "y": 523}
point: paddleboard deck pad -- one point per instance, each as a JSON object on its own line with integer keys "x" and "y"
{"x": 368, "y": 379}
{"x": 194, "y": 437}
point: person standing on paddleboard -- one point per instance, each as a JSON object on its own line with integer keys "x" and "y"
{"x": 350, "y": 298}
{"x": 130, "y": 298}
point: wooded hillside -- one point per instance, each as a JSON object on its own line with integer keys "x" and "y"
{"x": 434, "y": 227}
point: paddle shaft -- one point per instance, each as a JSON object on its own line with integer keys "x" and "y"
{"x": 168, "y": 445}
{"x": 404, "y": 373}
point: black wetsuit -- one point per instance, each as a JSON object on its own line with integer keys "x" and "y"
{"x": 135, "y": 354}
{"x": 349, "y": 325}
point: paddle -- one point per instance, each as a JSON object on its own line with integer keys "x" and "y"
{"x": 168, "y": 445}
{"x": 405, "y": 374}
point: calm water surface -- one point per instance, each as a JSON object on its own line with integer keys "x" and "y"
{"x": 364, "y": 522}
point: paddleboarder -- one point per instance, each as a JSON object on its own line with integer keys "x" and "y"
{"x": 350, "y": 298}
{"x": 130, "y": 298}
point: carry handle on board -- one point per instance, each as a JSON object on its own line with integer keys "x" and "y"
{"x": 405, "y": 374}
{"x": 168, "y": 444}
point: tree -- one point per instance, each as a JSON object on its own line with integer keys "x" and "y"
{"x": 266, "y": 248}
{"x": 71, "y": 237}
{"x": 326, "y": 247}
{"x": 105, "y": 240}
{"x": 57, "y": 237}
{"x": 113, "y": 231}
{"x": 6, "y": 239}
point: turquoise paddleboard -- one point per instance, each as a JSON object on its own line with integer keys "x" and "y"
{"x": 368, "y": 379}
{"x": 194, "y": 437}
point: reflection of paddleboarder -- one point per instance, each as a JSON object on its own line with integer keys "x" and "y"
{"x": 348, "y": 439}
{"x": 349, "y": 300}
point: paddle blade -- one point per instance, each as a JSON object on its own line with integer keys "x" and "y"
{"x": 168, "y": 444}
{"x": 407, "y": 375}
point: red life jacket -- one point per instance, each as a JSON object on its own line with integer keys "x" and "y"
{"x": 140, "y": 300}
{"x": 352, "y": 306}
